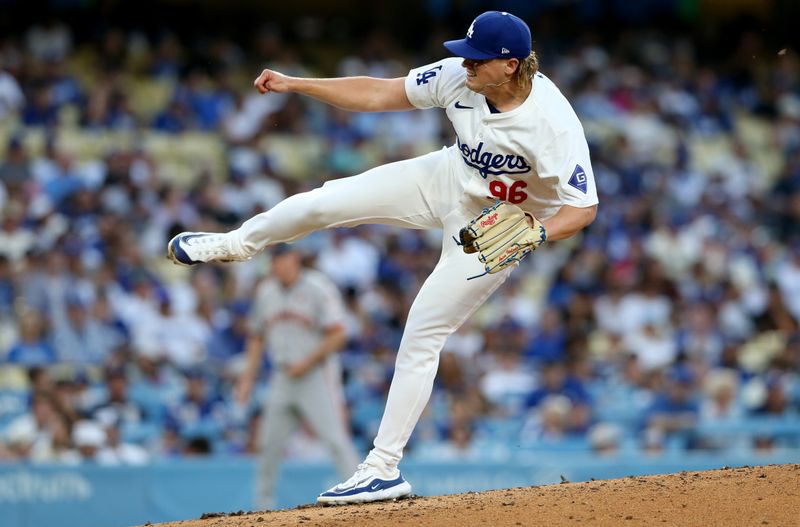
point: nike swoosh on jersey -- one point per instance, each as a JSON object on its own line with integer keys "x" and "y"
{"x": 462, "y": 107}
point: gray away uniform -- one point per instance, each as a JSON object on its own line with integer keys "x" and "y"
{"x": 293, "y": 322}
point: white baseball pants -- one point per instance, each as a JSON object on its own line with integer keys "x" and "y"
{"x": 421, "y": 193}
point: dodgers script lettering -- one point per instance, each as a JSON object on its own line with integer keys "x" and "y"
{"x": 487, "y": 162}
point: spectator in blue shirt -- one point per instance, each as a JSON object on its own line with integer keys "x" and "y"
{"x": 7, "y": 288}
{"x": 228, "y": 341}
{"x": 175, "y": 118}
{"x": 549, "y": 340}
{"x": 40, "y": 110}
{"x": 15, "y": 171}
{"x": 118, "y": 407}
{"x": 555, "y": 380}
{"x": 675, "y": 409}
{"x": 200, "y": 413}
{"x": 32, "y": 348}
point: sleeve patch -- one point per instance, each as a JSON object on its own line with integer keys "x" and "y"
{"x": 425, "y": 76}
{"x": 578, "y": 179}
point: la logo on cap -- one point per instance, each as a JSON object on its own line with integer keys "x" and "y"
{"x": 493, "y": 34}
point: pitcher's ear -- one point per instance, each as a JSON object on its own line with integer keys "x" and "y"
{"x": 512, "y": 65}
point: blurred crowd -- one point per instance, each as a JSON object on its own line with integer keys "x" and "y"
{"x": 670, "y": 325}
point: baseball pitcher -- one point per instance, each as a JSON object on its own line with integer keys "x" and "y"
{"x": 518, "y": 175}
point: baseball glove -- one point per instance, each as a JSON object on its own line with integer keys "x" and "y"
{"x": 501, "y": 236}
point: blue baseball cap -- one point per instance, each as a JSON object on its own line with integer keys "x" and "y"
{"x": 493, "y": 35}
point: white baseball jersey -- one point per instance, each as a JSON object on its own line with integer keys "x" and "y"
{"x": 534, "y": 156}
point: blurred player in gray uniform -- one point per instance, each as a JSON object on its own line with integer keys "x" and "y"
{"x": 518, "y": 141}
{"x": 298, "y": 313}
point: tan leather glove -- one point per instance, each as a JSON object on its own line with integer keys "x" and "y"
{"x": 501, "y": 236}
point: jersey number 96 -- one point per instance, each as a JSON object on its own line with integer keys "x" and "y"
{"x": 514, "y": 194}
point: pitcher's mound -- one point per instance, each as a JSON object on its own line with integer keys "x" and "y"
{"x": 751, "y": 496}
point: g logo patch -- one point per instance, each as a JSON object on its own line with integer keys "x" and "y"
{"x": 578, "y": 179}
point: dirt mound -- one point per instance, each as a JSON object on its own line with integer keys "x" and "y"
{"x": 731, "y": 497}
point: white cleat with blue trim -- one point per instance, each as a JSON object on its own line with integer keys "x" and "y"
{"x": 189, "y": 248}
{"x": 368, "y": 484}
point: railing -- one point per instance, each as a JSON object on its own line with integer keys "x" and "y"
{"x": 89, "y": 496}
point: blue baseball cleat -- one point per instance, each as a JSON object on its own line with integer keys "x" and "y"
{"x": 367, "y": 484}
{"x": 189, "y": 248}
